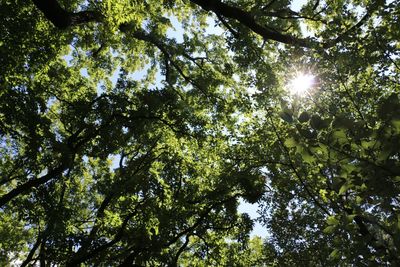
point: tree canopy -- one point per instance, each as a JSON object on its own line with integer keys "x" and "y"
{"x": 132, "y": 130}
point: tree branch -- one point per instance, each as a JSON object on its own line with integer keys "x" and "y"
{"x": 63, "y": 19}
{"x": 32, "y": 251}
{"x": 370, "y": 10}
{"x": 247, "y": 19}
{"x": 31, "y": 184}
{"x": 180, "y": 251}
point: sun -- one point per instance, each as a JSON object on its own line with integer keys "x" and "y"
{"x": 301, "y": 83}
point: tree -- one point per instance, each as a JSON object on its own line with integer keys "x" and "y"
{"x": 126, "y": 144}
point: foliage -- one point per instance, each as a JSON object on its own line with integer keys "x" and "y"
{"x": 131, "y": 131}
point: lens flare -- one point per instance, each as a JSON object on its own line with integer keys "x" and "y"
{"x": 301, "y": 84}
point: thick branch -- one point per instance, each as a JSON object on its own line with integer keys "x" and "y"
{"x": 245, "y": 18}
{"x": 32, "y": 251}
{"x": 73, "y": 143}
{"x": 118, "y": 236}
{"x": 83, "y": 254}
{"x": 31, "y": 184}
{"x": 180, "y": 251}
{"x": 100, "y": 214}
{"x": 63, "y": 19}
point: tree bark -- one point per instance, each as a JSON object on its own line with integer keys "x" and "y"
{"x": 31, "y": 184}
{"x": 245, "y": 18}
{"x": 63, "y": 19}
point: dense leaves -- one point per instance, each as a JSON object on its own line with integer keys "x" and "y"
{"x": 131, "y": 131}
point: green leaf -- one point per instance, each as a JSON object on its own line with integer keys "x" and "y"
{"x": 304, "y": 116}
{"x": 307, "y": 133}
{"x": 329, "y": 229}
{"x": 290, "y": 142}
{"x": 321, "y": 151}
{"x": 334, "y": 254}
{"x": 368, "y": 144}
{"x": 332, "y": 220}
{"x": 341, "y": 121}
{"x": 396, "y": 125}
{"x": 340, "y": 136}
{"x": 286, "y": 116}
{"x": 343, "y": 189}
{"x": 307, "y": 157}
{"x": 317, "y": 123}
{"x": 350, "y": 218}
{"x": 323, "y": 193}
